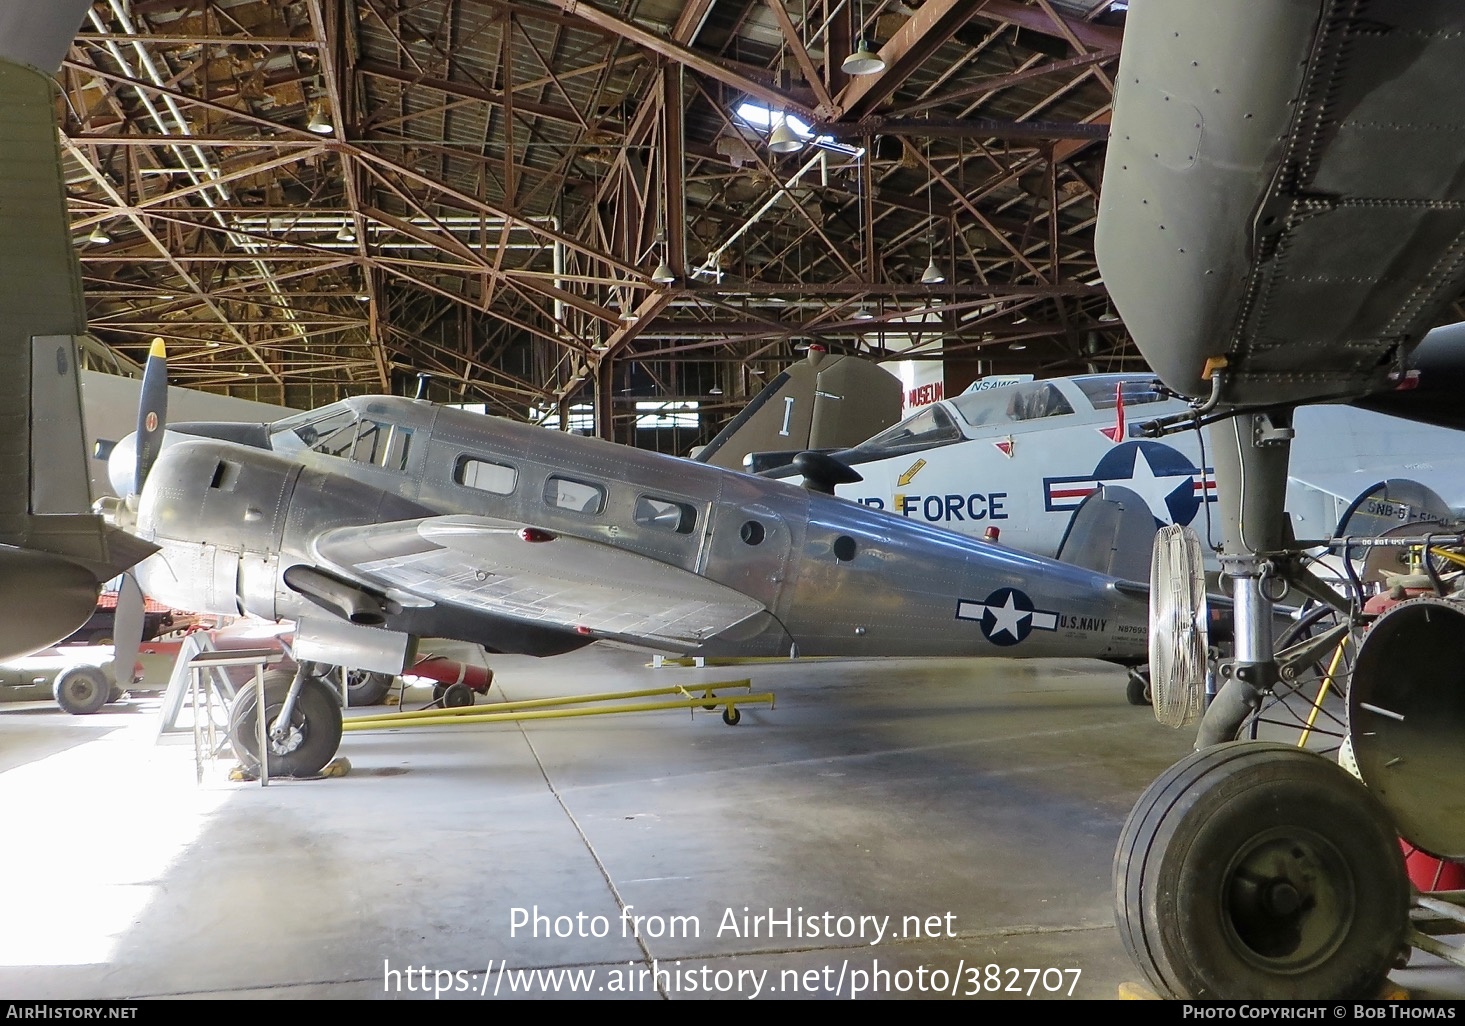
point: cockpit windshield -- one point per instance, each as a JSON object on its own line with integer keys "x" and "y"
{"x": 341, "y": 431}
{"x": 1028, "y": 400}
{"x": 331, "y": 431}
{"x": 921, "y": 430}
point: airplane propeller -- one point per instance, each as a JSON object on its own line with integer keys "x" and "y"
{"x": 152, "y": 415}
{"x": 152, "y": 411}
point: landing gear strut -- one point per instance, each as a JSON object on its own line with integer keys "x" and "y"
{"x": 1253, "y": 869}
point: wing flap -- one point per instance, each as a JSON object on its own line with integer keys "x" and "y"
{"x": 483, "y": 563}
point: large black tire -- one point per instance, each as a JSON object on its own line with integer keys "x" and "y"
{"x": 81, "y": 690}
{"x": 1255, "y": 870}
{"x": 316, "y": 723}
{"x": 366, "y": 688}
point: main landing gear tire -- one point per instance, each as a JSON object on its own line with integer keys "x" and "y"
{"x": 366, "y": 688}
{"x": 315, "y": 726}
{"x": 1255, "y": 870}
{"x": 81, "y": 690}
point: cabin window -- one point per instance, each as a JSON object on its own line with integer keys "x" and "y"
{"x": 665, "y": 515}
{"x": 752, "y": 532}
{"x": 383, "y": 445}
{"x": 580, "y": 496}
{"x": 485, "y": 476}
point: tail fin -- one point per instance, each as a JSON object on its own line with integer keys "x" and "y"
{"x": 825, "y": 402}
{"x": 1112, "y": 532}
{"x": 54, "y": 553}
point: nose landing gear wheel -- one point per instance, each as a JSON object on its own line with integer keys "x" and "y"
{"x": 1263, "y": 871}
{"x": 314, "y": 734}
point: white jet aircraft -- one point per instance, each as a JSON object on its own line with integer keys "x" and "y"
{"x": 1021, "y": 455}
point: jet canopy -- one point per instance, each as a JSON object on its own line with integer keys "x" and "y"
{"x": 979, "y": 412}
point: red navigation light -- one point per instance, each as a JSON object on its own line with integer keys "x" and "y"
{"x": 583, "y": 630}
{"x": 535, "y": 534}
{"x": 992, "y": 533}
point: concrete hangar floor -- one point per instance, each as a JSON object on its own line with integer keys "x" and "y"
{"x": 893, "y": 829}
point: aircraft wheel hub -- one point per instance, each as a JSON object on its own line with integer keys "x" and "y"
{"x": 286, "y": 741}
{"x": 1287, "y": 900}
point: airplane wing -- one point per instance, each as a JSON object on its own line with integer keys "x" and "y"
{"x": 497, "y": 566}
{"x": 1303, "y": 217}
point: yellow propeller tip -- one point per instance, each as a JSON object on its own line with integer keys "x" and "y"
{"x": 158, "y": 349}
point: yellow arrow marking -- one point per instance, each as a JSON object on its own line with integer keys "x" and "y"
{"x": 915, "y": 469}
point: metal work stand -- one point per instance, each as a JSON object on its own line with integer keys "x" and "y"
{"x": 1435, "y": 914}
{"x": 260, "y": 659}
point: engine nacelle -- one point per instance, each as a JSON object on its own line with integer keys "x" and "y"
{"x": 43, "y": 598}
{"x": 230, "y": 518}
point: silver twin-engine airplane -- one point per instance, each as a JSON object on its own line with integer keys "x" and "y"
{"x": 380, "y": 519}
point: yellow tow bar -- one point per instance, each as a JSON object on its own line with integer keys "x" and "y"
{"x": 692, "y": 697}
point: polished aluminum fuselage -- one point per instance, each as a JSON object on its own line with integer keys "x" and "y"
{"x": 834, "y": 577}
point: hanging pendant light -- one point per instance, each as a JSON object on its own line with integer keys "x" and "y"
{"x": 933, "y": 275}
{"x": 784, "y": 139}
{"x": 99, "y": 236}
{"x": 320, "y": 121}
{"x": 864, "y": 61}
{"x": 347, "y": 233}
